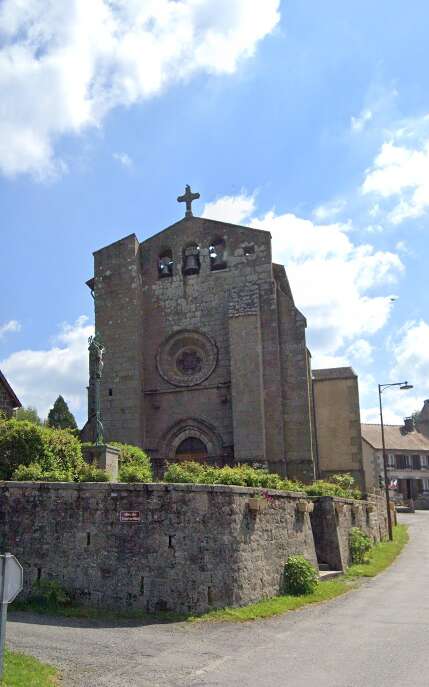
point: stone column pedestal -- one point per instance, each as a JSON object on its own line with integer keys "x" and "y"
{"x": 104, "y": 457}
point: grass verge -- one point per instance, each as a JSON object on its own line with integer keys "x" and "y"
{"x": 380, "y": 557}
{"x": 278, "y": 605}
{"x": 26, "y": 671}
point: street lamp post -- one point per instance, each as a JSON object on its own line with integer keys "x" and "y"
{"x": 382, "y": 387}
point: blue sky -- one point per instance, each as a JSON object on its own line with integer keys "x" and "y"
{"x": 308, "y": 119}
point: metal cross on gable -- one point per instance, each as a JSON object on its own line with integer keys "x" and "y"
{"x": 187, "y": 198}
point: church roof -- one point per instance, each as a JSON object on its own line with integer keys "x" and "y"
{"x": 3, "y": 382}
{"x": 394, "y": 439}
{"x": 203, "y": 221}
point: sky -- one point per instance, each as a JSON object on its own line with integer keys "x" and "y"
{"x": 310, "y": 120}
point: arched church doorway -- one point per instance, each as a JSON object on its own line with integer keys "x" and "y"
{"x": 192, "y": 448}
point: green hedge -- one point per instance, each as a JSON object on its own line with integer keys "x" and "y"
{"x": 24, "y": 443}
{"x": 135, "y": 472}
{"x": 246, "y": 476}
{"x": 131, "y": 454}
{"x": 240, "y": 475}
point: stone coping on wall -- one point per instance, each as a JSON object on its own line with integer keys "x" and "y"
{"x": 179, "y": 486}
{"x": 161, "y": 487}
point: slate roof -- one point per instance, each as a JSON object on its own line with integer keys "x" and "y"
{"x": 3, "y": 381}
{"x": 394, "y": 439}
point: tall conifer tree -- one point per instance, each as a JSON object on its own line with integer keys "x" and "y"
{"x": 60, "y": 416}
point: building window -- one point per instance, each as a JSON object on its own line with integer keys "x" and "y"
{"x": 165, "y": 264}
{"x": 217, "y": 255}
{"x": 416, "y": 462}
{"x": 390, "y": 460}
{"x": 249, "y": 250}
{"x": 403, "y": 462}
{"x": 191, "y": 259}
{"x": 425, "y": 484}
{"x": 424, "y": 461}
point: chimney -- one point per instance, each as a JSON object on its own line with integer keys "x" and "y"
{"x": 408, "y": 424}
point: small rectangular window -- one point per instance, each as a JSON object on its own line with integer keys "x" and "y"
{"x": 110, "y": 392}
{"x": 249, "y": 250}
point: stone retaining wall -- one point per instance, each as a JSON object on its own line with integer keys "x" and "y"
{"x": 332, "y": 520}
{"x": 184, "y": 548}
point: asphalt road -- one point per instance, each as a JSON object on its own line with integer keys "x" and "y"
{"x": 377, "y": 636}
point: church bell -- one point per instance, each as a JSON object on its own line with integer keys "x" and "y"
{"x": 191, "y": 261}
{"x": 217, "y": 262}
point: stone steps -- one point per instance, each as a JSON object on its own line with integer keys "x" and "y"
{"x": 329, "y": 574}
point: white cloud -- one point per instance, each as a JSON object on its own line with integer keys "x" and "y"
{"x": 334, "y": 281}
{"x": 329, "y": 210}
{"x": 8, "y": 327}
{"x": 409, "y": 355}
{"x": 123, "y": 159}
{"x": 65, "y": 63}
{"x": 400, "y": 172}
{"x": 410, "y": 351}
{"x": 39, "y": 376}
{"x": 234, "y": 209}
{"x": 361, "y": 351}
{"x": 360, "y": 122}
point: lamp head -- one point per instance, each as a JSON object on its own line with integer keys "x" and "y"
{"x": 405, "y": 386}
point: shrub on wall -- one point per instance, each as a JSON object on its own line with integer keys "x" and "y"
{"x": 337, "y": 485}
{"x": 240, "y": 475}
{"x": 134, "y": 472}
{"x": 91, "y": 473}
{"x": 62, "y": 451}
{"x": 20, "y": 443}
{"x": 25, "y": 443}
{"x": 131, "y": 454}
{"x": 360, "y": 545}
{"x": 35, "y": 473}
{"x": 300, "y": 576}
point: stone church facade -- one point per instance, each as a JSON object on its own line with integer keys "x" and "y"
{"x": 205, "y": 350}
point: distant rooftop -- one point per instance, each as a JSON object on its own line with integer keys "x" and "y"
{"x": 334, "y": 373}
{"x": 394, "y": 439}
{"x": 3, "y": 382}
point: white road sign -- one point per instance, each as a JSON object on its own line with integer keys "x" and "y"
{"x": 14, "y": 577}
{"x": 11, "y": 579}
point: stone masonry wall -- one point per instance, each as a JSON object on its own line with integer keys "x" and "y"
{"x": 193, "y": 547}
{"x": 332, "y": 520}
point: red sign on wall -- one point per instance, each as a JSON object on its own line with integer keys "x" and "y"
{"x": 129, "y": 516}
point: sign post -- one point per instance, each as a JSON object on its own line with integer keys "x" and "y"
{"x": 11, "y": 580}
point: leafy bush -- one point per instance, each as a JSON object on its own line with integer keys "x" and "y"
{"x": 62, "y": 451}
{"x": 91, "y": 473}
{"x": 28, "y": 473}
{"x": 300, "y": 576}
{"x": 49, "y": 593}
{"x": 35, "y": 473}
{"x": 131, "y": 454}
{"x": 21, "y": 443}
{"x": 25, "y": 443}
{"x": 240, "y": 475}
{"x": 337, "y": 485}
{"x": 360, "y": 545}
{"x": 133, "y": 472}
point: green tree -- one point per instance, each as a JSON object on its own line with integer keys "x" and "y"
{"x": 28, "y": 414}
{"x": 60, "y": 416}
